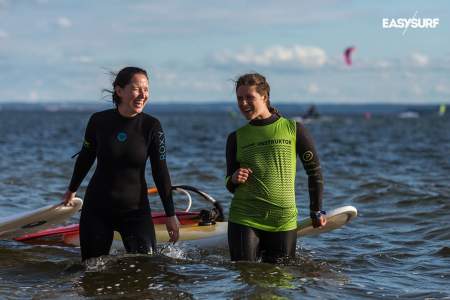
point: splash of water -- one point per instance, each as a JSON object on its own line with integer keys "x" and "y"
{"x": 172, "y": 251}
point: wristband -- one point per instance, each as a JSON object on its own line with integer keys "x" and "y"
{"x": 317, "y": 214}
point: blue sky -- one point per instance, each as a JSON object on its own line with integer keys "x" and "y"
{"x": 62, "y": 51}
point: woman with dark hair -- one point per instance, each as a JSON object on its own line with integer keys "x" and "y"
{"x": 261, "y": 169}
{"x": 122, "y": 139}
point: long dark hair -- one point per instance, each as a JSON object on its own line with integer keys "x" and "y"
{"x": 122, "y": 78}
{"x": 262, "y": 87}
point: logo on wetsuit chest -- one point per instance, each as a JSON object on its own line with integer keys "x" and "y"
{"x": 122, "y": 136}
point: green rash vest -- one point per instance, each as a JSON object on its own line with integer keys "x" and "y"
{"x": 267, "y": 200}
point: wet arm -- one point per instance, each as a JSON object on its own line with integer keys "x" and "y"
{"x": 310, "y": 160}
{"x": 232, "y": 163}
{"x": 86, "y": 156}
{"x": 160, "y": 172}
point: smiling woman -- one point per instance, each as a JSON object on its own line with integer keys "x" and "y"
{"x": 122, "y": 139}
{"x": 131, "y": 91}
{"x": 261, "y": 168}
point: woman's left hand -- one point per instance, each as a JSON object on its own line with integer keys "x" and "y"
{"x": 322, "y": 221}
{"x": 173, "y": 228}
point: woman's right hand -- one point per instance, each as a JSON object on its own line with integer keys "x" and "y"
{"x": 317, "y": 223}
{"x": 241, "y": 175}
{"x": 68, "y": 198}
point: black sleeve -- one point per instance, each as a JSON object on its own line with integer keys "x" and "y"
{"x": 160, "y": 173}
{"x": 232, "y": 163}
{"x": 310, "y": 160}
{"x": 86, "y": 156}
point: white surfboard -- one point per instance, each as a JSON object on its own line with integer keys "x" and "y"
{"x": 217, "y": 236}
{"x": 336, "y": 218}
{"x": 203, "y": 236}
{"x": 37, "y": 220}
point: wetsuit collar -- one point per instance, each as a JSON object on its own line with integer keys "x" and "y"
{"x": 123, "y": 117}
{"x": 267, "y": 121}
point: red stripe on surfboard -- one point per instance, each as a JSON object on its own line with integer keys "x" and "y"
{"x": 185, "y": 218}
{"x": 74, "y": 228}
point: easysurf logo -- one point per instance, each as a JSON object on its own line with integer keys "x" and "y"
{"x": 414, "y": 23}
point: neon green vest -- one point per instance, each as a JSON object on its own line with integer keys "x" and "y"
{"x": 267, "y": 200}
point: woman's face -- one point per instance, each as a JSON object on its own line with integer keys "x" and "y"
{"x": 134, "y": 95}
{"x": 251, "y": 103}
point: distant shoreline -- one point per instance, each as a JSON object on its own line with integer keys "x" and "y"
{"x": 288, "y": 108}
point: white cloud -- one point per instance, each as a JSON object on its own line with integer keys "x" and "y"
{"x": 236, "y": 13}
{"x": 199, "y": 85}
{"x": 442, "y": 88}
{"x": 33, "y": 96}
{"x": 313, "y": 88}
{"x": 383, "y": 64}
{"x": 419, "y": 59}
{"x": 165, "y": 77}
{"x": 170, "y": 79}
{"x": 295, "y": 56}
{"x": 64, "y": 22}
{"x": 310, "y": 56}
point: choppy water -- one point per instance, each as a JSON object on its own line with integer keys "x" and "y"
{"x": 395, "y": 171}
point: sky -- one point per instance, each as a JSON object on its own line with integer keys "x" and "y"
{"x": 64, "y": 50}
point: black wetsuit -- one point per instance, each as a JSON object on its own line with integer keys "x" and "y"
{"x": 116, "y": 197}
{"x": 247, "y": 243}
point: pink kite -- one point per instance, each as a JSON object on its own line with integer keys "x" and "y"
{"x": 348, "y": 55}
